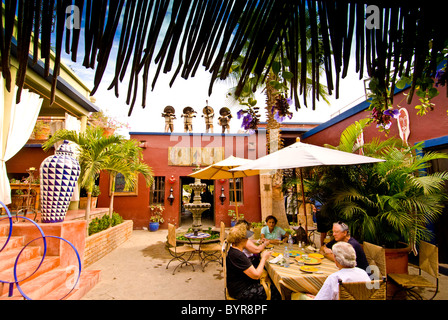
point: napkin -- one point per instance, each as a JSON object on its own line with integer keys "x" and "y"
{"x": 277, "y": 259}
{"x": 311, "y": 248}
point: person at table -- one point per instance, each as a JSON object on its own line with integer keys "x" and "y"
{"x": 272, "y": 232}
{"x": 252, "y": 250}
{"x": 345, "y": 260}
{"x": 242, "y": 277}
{"x": 341, "y": 233}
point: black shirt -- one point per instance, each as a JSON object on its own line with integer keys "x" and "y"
{"x": 361, "y": 260}
{"x": 237, "y": 280}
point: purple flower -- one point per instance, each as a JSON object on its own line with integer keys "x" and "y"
{"x": 246, "y": 122}
{"x": 289, "y": 101}
{"x": 440, "y": 77}
{"x": 394, "y": 113}
{"x": 278, "y": 117}
{"x": 240, "y": 113}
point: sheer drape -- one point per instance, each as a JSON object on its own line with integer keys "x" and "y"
{"x": 17, "y": 123}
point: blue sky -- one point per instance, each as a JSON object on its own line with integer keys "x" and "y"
{"x": 193, "y": 92}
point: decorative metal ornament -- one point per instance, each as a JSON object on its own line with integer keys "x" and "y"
{"x": 58, "y": 176}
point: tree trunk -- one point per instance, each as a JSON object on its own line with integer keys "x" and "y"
{"x": 87, "y": 215}
{"x": 274, "y": 143}
{"x": 111, "y": 204}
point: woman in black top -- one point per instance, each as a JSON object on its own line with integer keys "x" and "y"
{"x": 242, "y": 277}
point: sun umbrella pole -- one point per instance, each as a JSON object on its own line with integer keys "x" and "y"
{"x": 234, "y": 196}
{"x": 303, "y": 199}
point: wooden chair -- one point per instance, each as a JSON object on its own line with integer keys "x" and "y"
{"x": 376, "y": 256}
{"x": 428, "y": 262}
{"x": 368, "y": 290}
{"x": 212, "y": 251}
{"x": 264, "y": 279}
{"x": 178, "y": 252}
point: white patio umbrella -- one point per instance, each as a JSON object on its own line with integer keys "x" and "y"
{"x": 221, "y": 170}
{"x": 299, "y": 155}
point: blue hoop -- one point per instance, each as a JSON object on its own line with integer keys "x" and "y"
{"x": 16, "y": 281}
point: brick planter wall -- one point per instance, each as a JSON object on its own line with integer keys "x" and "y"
{"x": 100, "y": 244}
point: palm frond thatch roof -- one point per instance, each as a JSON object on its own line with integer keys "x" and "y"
{"x": 211, "y": 34}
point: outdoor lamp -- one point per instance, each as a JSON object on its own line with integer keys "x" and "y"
{"x": 171, "y": 197}
{"x": 222, "y": 197}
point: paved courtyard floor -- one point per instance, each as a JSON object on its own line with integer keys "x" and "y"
{"x": 137, "y": 271}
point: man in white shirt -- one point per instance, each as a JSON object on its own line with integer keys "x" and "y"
{"x": 345, "y": 259}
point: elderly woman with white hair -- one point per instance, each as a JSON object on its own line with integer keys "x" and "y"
{"x": 345, "y": 259}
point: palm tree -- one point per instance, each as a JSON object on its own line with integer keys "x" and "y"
{"x": 386, "y": 202}
{"x": 126, "y": 158}
{"x": 94, "y": 152}
{"x": 276, "y": 87}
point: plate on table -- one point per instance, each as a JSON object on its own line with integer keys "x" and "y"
{"x": 274, "y": 254}
{"x": 269, "y": 246}
{"x": 295, "y": 253}
{"x": 316, "y": 255}
{"x": 308, "y": 260}
{"x": 308, "y": 269}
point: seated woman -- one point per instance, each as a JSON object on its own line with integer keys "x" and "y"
{"x": 242, "y": 276}
{"x": 272, "y": 232}
{"x": 345, "y": 259}
{"x": 252, "y": 249}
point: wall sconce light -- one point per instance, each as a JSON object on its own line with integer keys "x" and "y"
{"x": 171, "y": 197}
{"x": 172, "y": 180}
{"x": 222, "y": 197}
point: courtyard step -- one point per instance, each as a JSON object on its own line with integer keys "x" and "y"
{"x": 49, "y": 282}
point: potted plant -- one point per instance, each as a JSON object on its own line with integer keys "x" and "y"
{"x": 41, "y": 130}
{"x": 94, "y": 198}
{"x": 108, "y": 124}
{"x": 156, "y": 217}
{"x": 390, "y": 203}
{"x": 234, "y": 218}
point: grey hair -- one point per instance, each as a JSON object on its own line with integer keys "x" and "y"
{"x": 344, "y": 254}
{"x": 343, "y": 226}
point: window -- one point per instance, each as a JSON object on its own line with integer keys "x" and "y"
{"x": 119, "y": 187}
{"x": 238, "y": 190}
{"x": 157, "y": 192}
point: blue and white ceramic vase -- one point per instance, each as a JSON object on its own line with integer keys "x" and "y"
{"x": 58, "y": 176}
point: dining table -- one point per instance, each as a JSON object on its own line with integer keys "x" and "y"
{"x": 201, "y": 236}
{"x": 306, "y": 273}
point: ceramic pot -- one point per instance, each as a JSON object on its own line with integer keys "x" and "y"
{"x": 153, "y": 226}
{"x": 58, "y": 176}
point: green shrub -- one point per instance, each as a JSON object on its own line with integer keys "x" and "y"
{"x": 97, "y": 224}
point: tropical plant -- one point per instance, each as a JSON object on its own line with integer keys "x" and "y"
{"x": 156, "y": 212}
{"x": 126, "y": 158}
{"x": 93, "y": 153}
{"x": 96, "y": 191}
{"x": 387, "y": 202}
{"x": 101, "y": 119}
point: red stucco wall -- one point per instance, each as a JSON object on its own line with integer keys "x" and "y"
{"x": 156, "y": 156}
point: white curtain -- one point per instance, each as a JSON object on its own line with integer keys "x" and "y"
{"x": 72, "y": 123}
{"x": 17, "y": 122}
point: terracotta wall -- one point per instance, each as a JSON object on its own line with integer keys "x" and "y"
{"x": 27, "y": 157}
